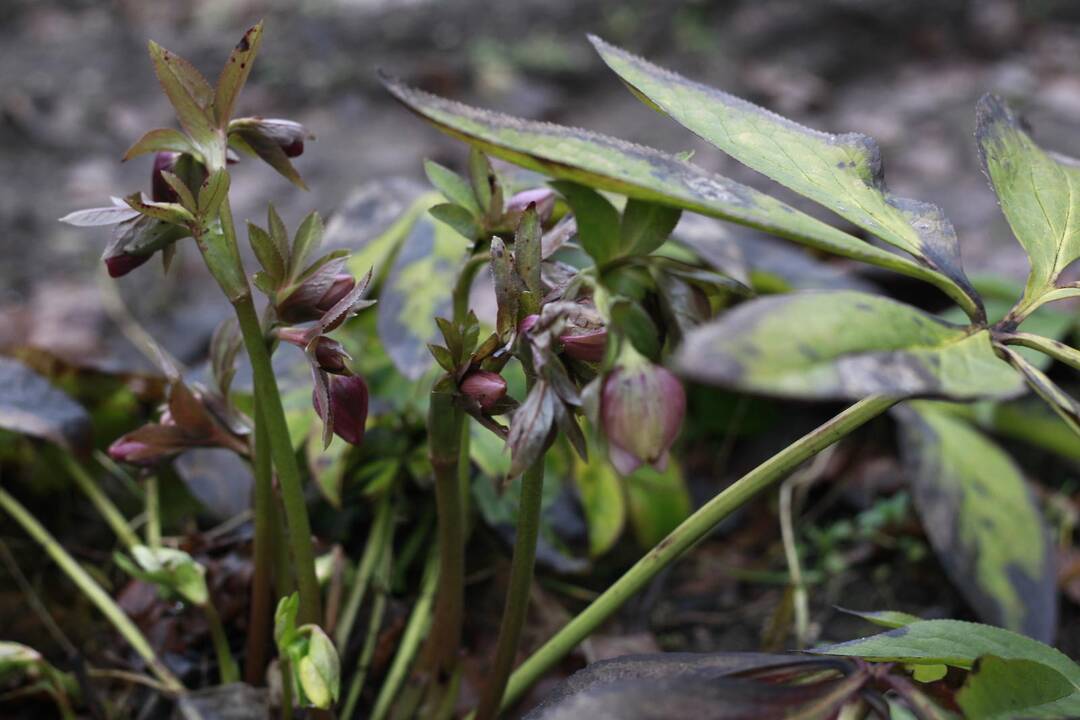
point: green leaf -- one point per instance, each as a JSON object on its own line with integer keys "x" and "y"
{"x": 960, "y": 644}
{"x": 658, "y": 502}
{"x": 458, "y": 218}
{"x": 602, "y": 500}
{"x": 417, "y": 290}
{"x": 1039, "y": 193}
{"x": 981, "y": 520}
{"x": 223, "y": 262}
{"x": 235, "y": 74}
{"x": 1067, "y": 408}
{"x": 842, "y": 172}
{"x": 528, "y": 248}
{"x": 189, "y": 93}
{"x": 645, "y": 226}
{"x": 267, "y": 149}
{"x": 267, "y": 253}
{"x": 171, "y": 569}
{"x": 844, "y": 345}
{"x": 183, "y": 192}
{"x": 212, "y": 192}
{"x": 606, "y": 163}
{"x": 884, "y": 618}
{"x": 508, "y": 288}
{"x": 172, "y": 213}
{"x": 597, "y": 220}
{"x": 285, "y": 621}
{"x": 162, "y": 139}
{"x": 997, "y": 687}
{"x": 482, "y": 177}
{"x": 307, "y": 239}
{"x": 454, "y": 188}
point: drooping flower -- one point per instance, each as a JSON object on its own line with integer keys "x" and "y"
{"x": 317, "y": 294}
{"x": 124, "y": 262}
{"x": 348, "y": 407}
{"x": 641, "y": 410}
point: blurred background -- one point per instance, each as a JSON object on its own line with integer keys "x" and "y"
{"x": 76, "y": 89}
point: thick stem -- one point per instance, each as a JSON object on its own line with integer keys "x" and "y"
{"x": 685, "y": 536}
{"x": 91, "y": 589}
{"x": 265, "y": 513}
{"x": 227, "y": 668}
{"x": 445, "y": 420}
{"x": 382, "y": 529}
{"x": 101, "y": 501}
{"x": 284, "y": 459}
{"x": 153, "y": 512}
{"x": 517, "y": 595}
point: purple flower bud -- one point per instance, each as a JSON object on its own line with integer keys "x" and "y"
{"x": 161, "y": 191}
{"x": 485, "y": 387}
{"x": 331, "y": 356}
{"x": 131, "y": 451}
{"x": 122, "y": 263}
{"x": 586, "y": 346}
{"x": 342, "y": 286}
{"x": 641, "y": 409}
{"x": 286, "y": 134}
{"x": 543, "y": 197}
{"x": 348, "y": 405}
{"x": 527, "y": 324}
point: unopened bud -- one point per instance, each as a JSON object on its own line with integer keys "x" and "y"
{"x": 349, "y": 407}
{"x": 131, "y": 451}
{"x": 317, "y": 293}
{"x": 641, "y": 409}
{"x": 587, "y": 346}
{"x": 485, "y": 387}
{"x": 286, "y": 134}
{"x": 342, "y": 286}
{"x": 122, "y": 263}
{"x": 160, "y": 190}
{"x": 543, "y": 198}
{"x": 330, "y": 356}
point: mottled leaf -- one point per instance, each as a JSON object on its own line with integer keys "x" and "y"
{"x": 417, "y": 290}
{"x": 1038, "y": 192}
{"x": 981, "y": 520}
{"x": 644, "y": 173}
{"x": 597, "y": 220}
{"x": 30, "y": 405}
{"x": 844, "y": 344}
{"x": 960, "y": 644}
{"x": 1000, "y": 688}
{"x": 671, "y": 685}
{"x": 646, "y": 225}
{"x": 658, "y": 502}
{"x": 454, "y": 188}
{"x": 842, "y": 172}
{"x": 235, "y": 74}
{"x": 527, "y": 251}
{"x": 159, "y": 140}
{"x": 603, "y": 501}
{"x": 172, "y": 213}
{"x": 507, "y": 288}
{"x": 1050, "y": 348}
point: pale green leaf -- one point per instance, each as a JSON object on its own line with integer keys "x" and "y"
{"x": 602, "y": 500}
{"x": 606, "y": 163}
{"x": 658, "y": 502}
{"x": 189, "y": 93}
{"x": 162, "y": 139}
{"x": 841, "y": 172}
{"x": 235, "y": 74}
{"x": 454, "y": 188}
{"x": 1001, "y": 688}
{"x": 844, "y": 345}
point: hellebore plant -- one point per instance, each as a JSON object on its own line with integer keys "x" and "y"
{"x": 839, "y": 345}
{"x": 189, "y": 198}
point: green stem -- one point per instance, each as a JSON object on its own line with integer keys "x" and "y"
{"x": 286, "y": 688}
{"x": 410, "y": 641}
{"x": 517, "y": 595}
{"x": 153, "y": 512}
{"x": 378, "y": 540}
{"x": 230, "y": 673}
{"x": 91, "y": 589}
{"x": 686, "y": 535}
{"x": 265, "y": 513}
{"x": 378, "y": 610}
{"x": 228, "y": 270}
{"x": 284, "y": 459}
{"x": 445, "y": 420}
{"x": 101, "y": 501}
